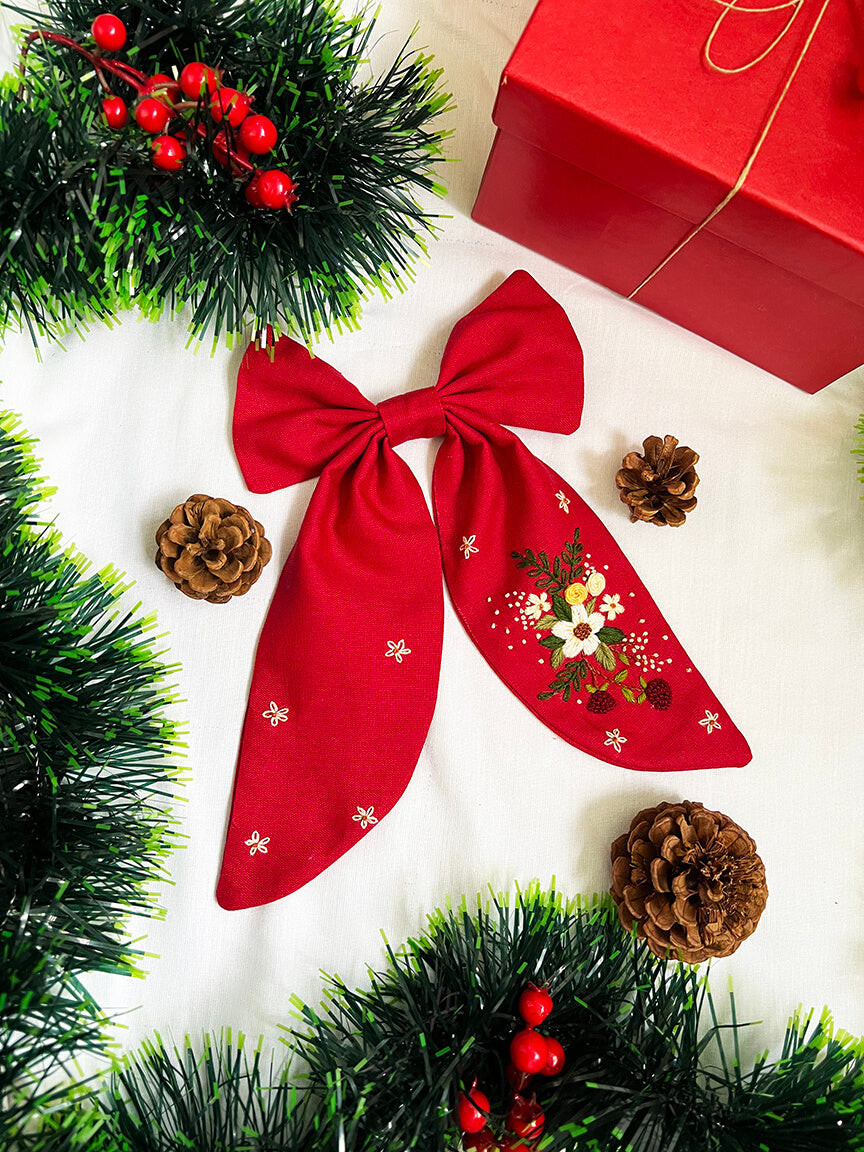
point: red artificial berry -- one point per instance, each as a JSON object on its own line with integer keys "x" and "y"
{"x": 168, "y": 153}
{"x": 554, "y": 1058}
{"x": 516, "y": 1079}
{"x": 535, "y": 1004}
{"x": 115, "y": 112}
{"x": 275, "y": 189}
{"x": 109, "y": 32}
{"x": 251, "y": 192}
{"x": 525, "y": 1117}
{"x": 469, "y": 1116}
{"x": 152, "y": 115}
{"x": 164, "y": 86}
{"x": 197, "y": 79}
{"x": 259, "y": 134}
{"x": 231, "y": 105}
{"x": 528, "y": 1051}
{"x": 482, "y": 1141}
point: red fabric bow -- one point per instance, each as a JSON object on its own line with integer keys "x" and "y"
{"x": 330, "y": 743}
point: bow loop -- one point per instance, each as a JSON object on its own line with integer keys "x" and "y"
{"x": 515, "y": 359}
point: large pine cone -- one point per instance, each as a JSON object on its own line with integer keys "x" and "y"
{"x": 689, "y": 880}
{"x": 659, "y": 485}
{"x": 212, "y": 549}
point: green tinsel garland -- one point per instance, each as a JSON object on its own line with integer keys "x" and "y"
{"x": 88, "y": 225}
{"x": 82, "y": 834}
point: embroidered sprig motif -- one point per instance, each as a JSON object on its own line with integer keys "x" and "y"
{"x": 585, "y": 649}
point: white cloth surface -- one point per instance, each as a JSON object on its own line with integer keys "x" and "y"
{"x": 762, "y": 585}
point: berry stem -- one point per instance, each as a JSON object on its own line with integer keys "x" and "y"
{"x": 125, "y": 72}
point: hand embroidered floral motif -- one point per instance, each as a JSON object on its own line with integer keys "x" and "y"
{"x": 710, "y": 722}
{"x": 467, "y": 545}
{"x": 364, "y": 816}
{"x": 257, "y": 844}
{"x": 397, "y": 649}
{"x": 615, "y": 739}
{"x": 563, "y": 501}
{"x": 274, "y": 714}
{"x": 585, "y": 650}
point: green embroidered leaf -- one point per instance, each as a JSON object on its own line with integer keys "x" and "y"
{"x": 548, "y": 695}
{"x": 582, "y": 669}
{"x": 603, "y": 687}
{"x": 622, "y": 675}
{"x": 552, "y": 642}
{"x": 567, "y": 692}
{"x": 624, "y": 659}
{"x": 591, "y": 689}
{"x": 546, "y": 622}
{"x": 558, "y": 657}
{"x": 643, "y": 681}
{"x": 628, "y": 694}
{"x": 589, "y": 607}
{"x": 611, "y": 635}
{"x": 561, "y": 608}
{"x": 641, "y": 698}
{"x": 605, "y": 657}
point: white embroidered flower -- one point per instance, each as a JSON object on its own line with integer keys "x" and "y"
{"x": 595, "y": 583}
{"x": 397, "y": 649}
{"x": 580, "y": 634}
{"x": 710, "y": 722}
{"x": 257, "y": 844}
{"x": 364, "y": 816}
{"x": 275, "y": 714}
{"x": 612, "y": 606}
{"x": 467, "y": 545}
{"x": 537, "y": 606}
{"x": 563, "y": 501}
{"x": 615, "y": 739}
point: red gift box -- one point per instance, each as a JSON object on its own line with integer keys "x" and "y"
{"x": 617, "y": 139}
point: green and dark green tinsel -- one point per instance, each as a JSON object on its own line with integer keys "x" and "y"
{"x": 88, "y": 226}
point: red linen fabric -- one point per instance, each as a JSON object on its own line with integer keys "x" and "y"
{"x": 329, "y": 744}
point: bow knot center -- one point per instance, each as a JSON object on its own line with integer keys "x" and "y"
{"x": 413, "y": 416}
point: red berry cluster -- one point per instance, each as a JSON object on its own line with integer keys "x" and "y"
{"x": 530, "y": 1053}
{"x": 170, "y": 111}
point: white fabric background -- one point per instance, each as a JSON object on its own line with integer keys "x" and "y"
{"x": 762, "y": 584}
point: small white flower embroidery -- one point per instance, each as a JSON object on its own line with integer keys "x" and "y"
{"x": 365, "y": 817}
{"x": 537, "y": 606}
{"x": 467, "y": 545}
{"x": 563, "y": 501}
{"x": 257, "y": 844}
{"x": 274, "y": 714}
{"x": 612, "y": 606}
{"x": 710, "y": 722}
{"x": 398, "y": 650}
{"x": 615, "y": 739}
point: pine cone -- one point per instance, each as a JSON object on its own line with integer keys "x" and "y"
{"x": 212, "y": 549}
{"x": 659, "y": 485}
{"x": 689, "y": 880}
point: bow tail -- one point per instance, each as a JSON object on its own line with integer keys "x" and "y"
{"x": 345, "y": 680}
{"x": 559, "y": 613}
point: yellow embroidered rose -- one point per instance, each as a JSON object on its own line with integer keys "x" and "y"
{"x": 596, "y": 583}
{"x": 576, "y": 594}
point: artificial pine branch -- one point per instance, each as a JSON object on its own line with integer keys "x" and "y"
{"x": 88, "y": 226}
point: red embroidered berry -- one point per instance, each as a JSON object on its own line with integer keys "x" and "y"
{"x": 601, "y": 702}
{"x": 164, "y": 86}
{"x": 198, "y": 80}
{"x": 259, "y": 134}
{"x": 169, "y": 153}
{"x": 535, "y": 1004}
{"x": 516, "y": 1079}
{"x": 275, "y": 188}
{"x": 109, "y": 32}
{"x": 658, "y": 694}
{"x": 469, "y": 1116}
{"x": 152, "y": 115}
{"x": 528, "y": 1051}
{"x": 525, "y": 1117}
{"x": 482, "y": 1141}
{"x": 115, "y": 112}
{"x": 554, "y": 1058}
{"x": 230, "y": 105}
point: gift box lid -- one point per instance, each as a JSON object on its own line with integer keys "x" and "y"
{"x": 621, "y": 89}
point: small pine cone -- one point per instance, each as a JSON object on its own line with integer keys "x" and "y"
{"x": 212, "y": 549}
{"x": 689, "y": 881}
{"x": 658, "y": 693}
{"x": 601, "y": 702}
{"x": 658, "y": 486}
